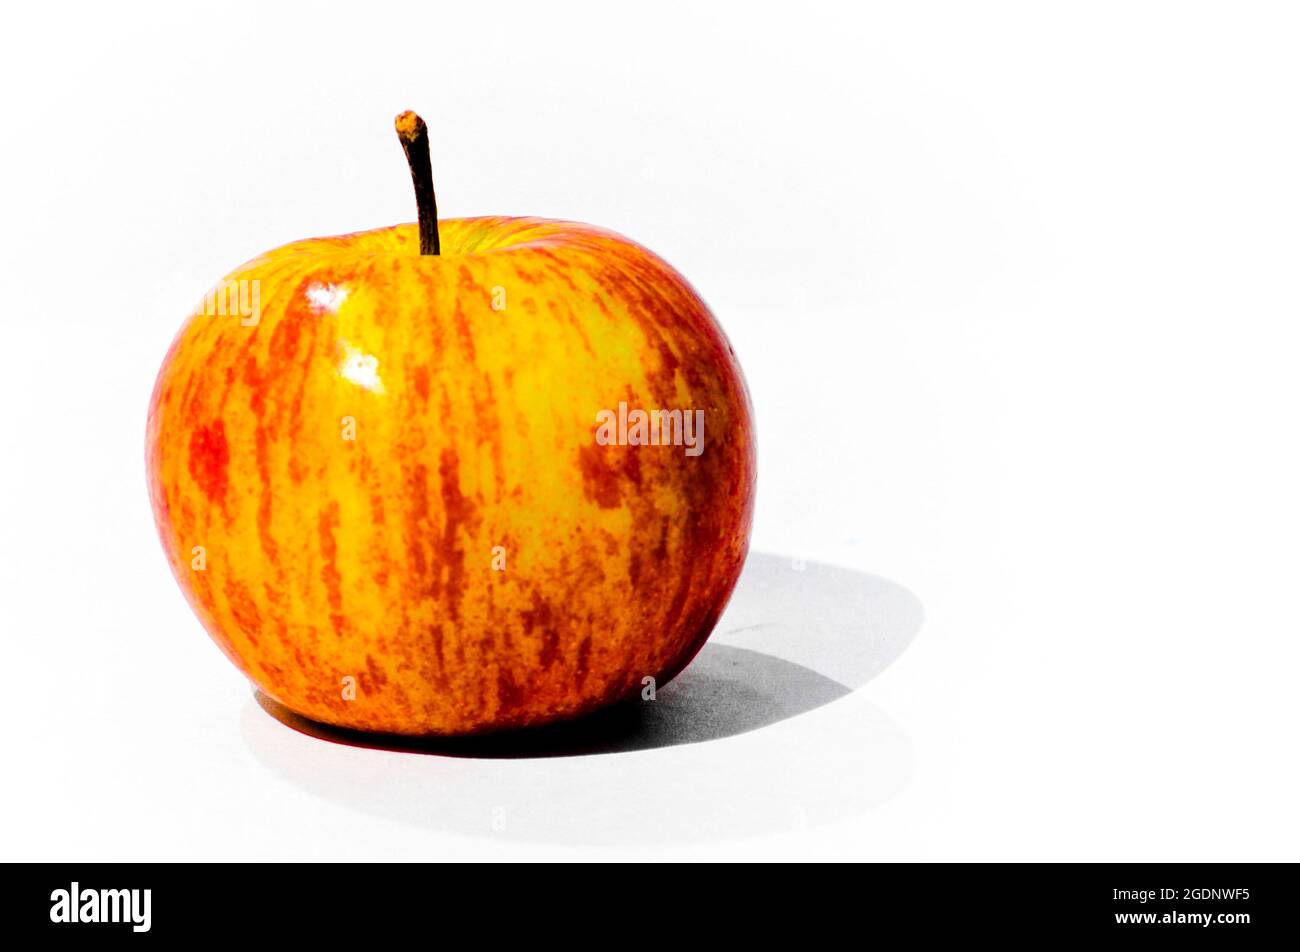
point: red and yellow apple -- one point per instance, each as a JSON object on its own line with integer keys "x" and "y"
{"x": 384, "y": 492}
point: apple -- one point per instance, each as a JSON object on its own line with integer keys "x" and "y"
{"x": 454, "y": 476}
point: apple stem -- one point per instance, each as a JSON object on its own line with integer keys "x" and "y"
{"x": 415, "y": 143}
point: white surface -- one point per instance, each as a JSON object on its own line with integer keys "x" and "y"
{"x": 1015, "y": 290}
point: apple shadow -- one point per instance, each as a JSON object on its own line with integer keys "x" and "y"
{"x": 725, "y": 691}
{"x": 793, "y": 639}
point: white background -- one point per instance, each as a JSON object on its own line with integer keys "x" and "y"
{"x": 1015, "y": 289}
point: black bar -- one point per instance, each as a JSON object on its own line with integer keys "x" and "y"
{"x": 1225, "y": 903}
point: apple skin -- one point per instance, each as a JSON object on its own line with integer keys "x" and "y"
{"x": 376, "y": 558}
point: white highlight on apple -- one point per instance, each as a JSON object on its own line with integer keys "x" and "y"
{"x": 651, "y": 428}
{"x": 361, "y": 368}
{"x": 326, "y": 297}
